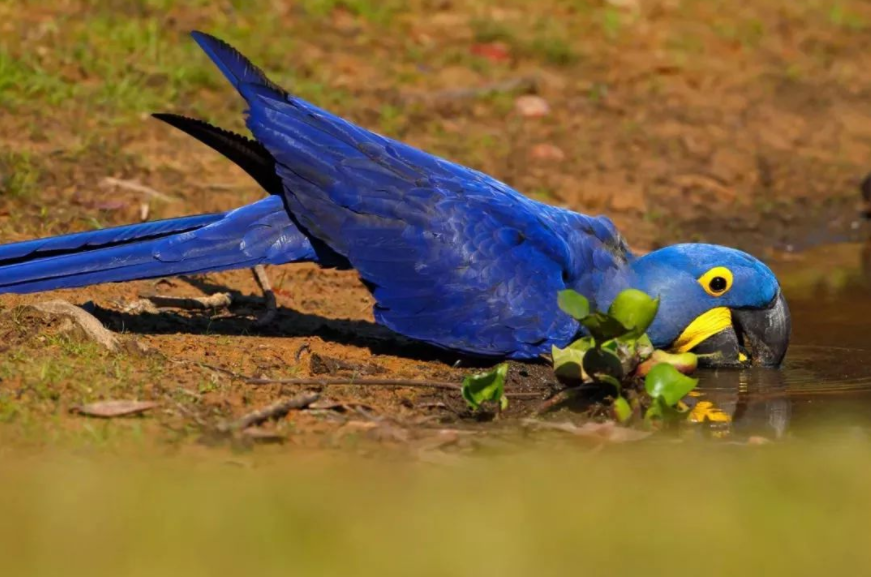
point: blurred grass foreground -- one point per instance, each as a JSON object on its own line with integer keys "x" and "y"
{"x": 654, "y": 510}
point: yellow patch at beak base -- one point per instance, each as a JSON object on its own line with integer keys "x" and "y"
{"x": 704, "y": 326}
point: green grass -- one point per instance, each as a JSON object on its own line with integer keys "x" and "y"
{"x": 19, "y": 175}
{"x": 784, "y": 510}
{"x": 845, "y": 17}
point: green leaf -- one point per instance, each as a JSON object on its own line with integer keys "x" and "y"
{"x": 603, "y": 366}
{"x": 654, "y": 411}
{"x": 603, "y": 327}
{"x": 568, "y": 362}
{"x": 489, "y": 386}
{"x": 573, "y": 304}
{"x": 622, "y": 410}
{"x": 634, "y": 310}
{"x": 583, "y": 344}
{"x": 667, "y": 383}
{"x": 611, "y": 345}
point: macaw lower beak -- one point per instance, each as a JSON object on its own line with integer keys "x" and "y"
{"x": 735, "y": 338}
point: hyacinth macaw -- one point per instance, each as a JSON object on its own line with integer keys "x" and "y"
{"x": 452, "y": 256}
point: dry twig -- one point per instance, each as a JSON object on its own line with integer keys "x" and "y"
{"x": 398, "y": 383}
{"x": 362, "y": 382}
{"x": 273, "y": 411}
{"x": 136, "y": 187}
{"x": 92, "y": 327}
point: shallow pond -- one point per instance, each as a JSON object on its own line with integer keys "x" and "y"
{"x": 825, "y": 383}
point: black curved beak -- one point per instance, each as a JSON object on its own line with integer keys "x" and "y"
{"x": 761, "y": 336}
{"x": 764, "y": 333}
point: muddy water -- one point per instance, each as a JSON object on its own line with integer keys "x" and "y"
{"x": 825, "y": 384}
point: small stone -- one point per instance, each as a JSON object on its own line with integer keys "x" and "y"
{"x": 532, "y": 106}
{"x": 113, "y": 408}
{"x": 546, "y": 151}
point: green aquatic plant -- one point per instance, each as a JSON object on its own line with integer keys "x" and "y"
{"x": 617, "y": 352}
{"x": 486, "y": 387}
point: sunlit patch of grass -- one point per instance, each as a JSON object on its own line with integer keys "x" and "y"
{"x": 380, "y": 12}
{"x": 24, "y": 81}
{"x": 391, "y": 121}
{"x": 554, "y": 50}
{"x": 547, "y": 39}
{"x": 844, "y": 17}
{"x": 611, "y": 22}
{"x": 542, "y": 193}
{"x": 19, "y": 175}
{"x": 747, "y": 32}
{"x": 136, "y": 68}
{"x": 489, "y": 30}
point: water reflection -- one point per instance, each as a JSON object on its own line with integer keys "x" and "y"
{"x": 757, "y": 402}
{"x": 826, "y": 380}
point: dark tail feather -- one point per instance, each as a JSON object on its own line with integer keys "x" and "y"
{"x": 259, "y": 233}
{"x": 249, "y": 155}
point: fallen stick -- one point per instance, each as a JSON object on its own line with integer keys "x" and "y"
{"x": 136, "y": 187}
{"x": 273, "y": 411}
{"x": 92, "y": 327}
{"x": 398, "y": 383}
{"x": 363, "y": 382}
{"x": 553, "y": 402}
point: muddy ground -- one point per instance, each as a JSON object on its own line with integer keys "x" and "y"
{"x": 682, "y": 120}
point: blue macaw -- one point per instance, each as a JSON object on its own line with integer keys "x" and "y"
{"x": 452, "y": 256}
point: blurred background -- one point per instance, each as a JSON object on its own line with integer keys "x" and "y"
{"x": 742, "y": 123}
{"x": 682, "y": 119}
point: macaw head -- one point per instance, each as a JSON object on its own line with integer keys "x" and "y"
{"x": 716, "y": 301}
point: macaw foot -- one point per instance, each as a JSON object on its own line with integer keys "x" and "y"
{"x": 214, "y": 301}
{"x": 263, "y": 281}
{"x": 153, "y": 302}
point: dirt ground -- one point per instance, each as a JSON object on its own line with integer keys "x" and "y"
{"x": 716, "y": 121}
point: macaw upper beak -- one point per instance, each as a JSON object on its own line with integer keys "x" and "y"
{"x": 764, "y": 333}
{"x": 757, "y": 337}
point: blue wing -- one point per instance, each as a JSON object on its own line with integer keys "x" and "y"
{"x": 452, "y": 256}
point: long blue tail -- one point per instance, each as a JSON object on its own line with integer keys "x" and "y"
{"x": 259, "y": 233}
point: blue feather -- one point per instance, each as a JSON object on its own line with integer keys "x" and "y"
{"x": 260, "y": 233}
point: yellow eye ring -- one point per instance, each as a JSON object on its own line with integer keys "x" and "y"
{"x": 716, "y": 281}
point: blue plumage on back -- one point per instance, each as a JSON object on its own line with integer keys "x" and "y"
{"x": 452, "y": 256}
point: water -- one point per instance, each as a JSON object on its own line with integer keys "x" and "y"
{"x": 825, "y": 383}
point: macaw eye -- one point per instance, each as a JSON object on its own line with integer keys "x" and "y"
{"x": 716, "y": 281}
